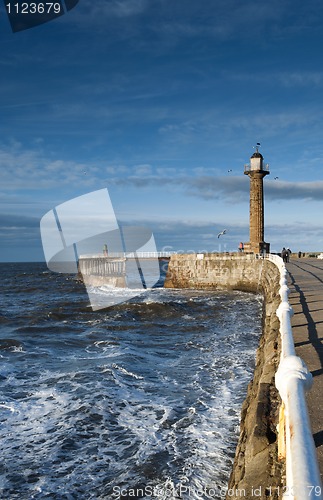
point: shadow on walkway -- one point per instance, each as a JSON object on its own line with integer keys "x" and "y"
{"x": 313, "y": 335}
{"x": 306, "y": 286}
{"x": 318, "y": 438}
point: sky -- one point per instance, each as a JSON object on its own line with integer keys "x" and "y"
{"x": 162, "y": 102}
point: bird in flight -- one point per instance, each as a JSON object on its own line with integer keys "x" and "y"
{"x": 222, "y": 233}
{"x": 275, "y": 178}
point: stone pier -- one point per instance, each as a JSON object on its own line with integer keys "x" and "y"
{"x": 256, "y": 464}
{"x": 101, "y": 270}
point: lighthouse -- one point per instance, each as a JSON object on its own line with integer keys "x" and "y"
{"x": 256, "y": 171}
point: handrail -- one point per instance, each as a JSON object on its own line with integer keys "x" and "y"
{"x": 128, "y": 255}
{"x": 248, "y": 168}
{"x": 292, "y": 380}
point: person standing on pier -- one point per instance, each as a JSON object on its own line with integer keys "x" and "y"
{"x": 285, "y": 254}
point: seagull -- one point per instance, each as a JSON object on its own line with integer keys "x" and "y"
{"x": 275, "y": 178}
{"x": 222, "y": 232}
{"x": 230, "y": 170}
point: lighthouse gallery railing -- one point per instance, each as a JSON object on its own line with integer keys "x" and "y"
{"x": 292, "y": 380}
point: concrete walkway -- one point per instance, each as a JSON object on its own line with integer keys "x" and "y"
{"x": 306, "y": 298}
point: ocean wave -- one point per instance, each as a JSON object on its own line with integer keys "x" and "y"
{"x": 147, "y": 392}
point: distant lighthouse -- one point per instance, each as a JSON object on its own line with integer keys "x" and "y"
{"x": 256, "y": 171}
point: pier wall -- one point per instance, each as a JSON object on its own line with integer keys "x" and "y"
{"x": 256, "y": 467}
{"x": 100, "y": 270}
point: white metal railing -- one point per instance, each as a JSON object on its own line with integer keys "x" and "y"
{"x": 101, "y": 266}
{"x": 292, "y": 380}
{"x": 248, "y": 168}
{"x": 128, "y": 255}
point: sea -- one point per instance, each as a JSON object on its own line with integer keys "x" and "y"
{"x": 139, "y": 400}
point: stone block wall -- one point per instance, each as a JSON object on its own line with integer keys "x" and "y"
{"x": 256, "y": 471}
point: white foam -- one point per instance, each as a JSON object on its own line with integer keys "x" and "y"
{"x": 4, "y": 406}
{"x": 126, "y": 372}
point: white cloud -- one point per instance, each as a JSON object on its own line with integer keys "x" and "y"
{"x": 287, "y": 79}
{"x": 32, "y": 169}
{"x": 97, "y": 14}
{"x": 23, "y": 169}
{"x": 126, "y": 8}
{"x": 232, "y": 189}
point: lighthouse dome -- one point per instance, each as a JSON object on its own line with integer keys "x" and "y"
{"x": 257, "y": 155}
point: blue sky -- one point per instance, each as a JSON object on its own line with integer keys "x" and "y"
{"x": 161, "y": 102}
